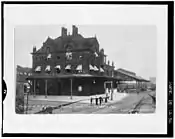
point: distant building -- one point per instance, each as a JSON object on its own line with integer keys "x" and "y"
{"x": 22, "y": 73}
{"x": 127, "y": 71}
{"x": 152, "y": 80}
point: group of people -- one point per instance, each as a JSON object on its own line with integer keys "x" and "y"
{"x": 99, "y": 100}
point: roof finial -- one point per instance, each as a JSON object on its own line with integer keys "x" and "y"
{"x": 113, "y": 63}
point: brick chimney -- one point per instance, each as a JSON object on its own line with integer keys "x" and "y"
{"x": 74, "y": 30}
{"x": 63, "y": 32}
{"x": 108, "y": 62}
{"x": 112, "y": 63}
{"x": 34, "y": 49}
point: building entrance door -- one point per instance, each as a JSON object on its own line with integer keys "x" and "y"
{"x": 108, "y": 86}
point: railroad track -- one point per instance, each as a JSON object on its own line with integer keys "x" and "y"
{"x": 49, "y": 109}
{"x": 138, "y": 105}
{"x": 135, "y": 108}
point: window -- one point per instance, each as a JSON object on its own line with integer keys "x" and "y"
{"x": 58, "y": 70}
{"x": 68, "y": 70}
{"x": 48, "y": 50}
{"x": 69, "y": 55}
{"x": 107, "y": 72}
{"x": 48, "y": 69}
{"x": 80, "y": 88}
{"x": 79, "y": 68}
{"x": 58, "y": 57}
{"x": 68, "y": 51}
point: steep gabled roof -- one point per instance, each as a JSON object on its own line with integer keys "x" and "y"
{"x": 79, "y": 42}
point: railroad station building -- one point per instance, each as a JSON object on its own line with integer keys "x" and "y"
{"x": 71, "y": 65}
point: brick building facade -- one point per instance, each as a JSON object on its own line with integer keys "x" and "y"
{"x": 70, "y": 64}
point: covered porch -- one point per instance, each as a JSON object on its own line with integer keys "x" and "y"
{"x": 70, "y": 85}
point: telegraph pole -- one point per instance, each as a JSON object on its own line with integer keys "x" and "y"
{"x": 71, "y": 88}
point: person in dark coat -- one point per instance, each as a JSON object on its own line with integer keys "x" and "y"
{"x": 91, "y": 100}
{"x": 106, "y": 99}
{"x": 25, "y": 88}
{"x": 100, "y": 99}
{"x": 96, "y": 100}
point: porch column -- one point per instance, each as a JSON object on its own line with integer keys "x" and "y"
{"x": 71, "y": 88}
{"x": 112, "y": 90}
{"x": 46, "y": 88}
{"x": 34, "y": 89}
{"x": 139, "y": 84}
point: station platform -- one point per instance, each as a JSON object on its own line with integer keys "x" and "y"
{"x": 84, "y": 99}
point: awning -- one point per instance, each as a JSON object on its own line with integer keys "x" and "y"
{"x": 47, "y": 68}
{"x": 38, "y": 68}
{"x": 91, "y": 67}
{"x": 79, "y": 67}
{"x": 95, "y": 68}
{"x": 49, "y": 56}
{"x": 68, "y": 67}
{"x": 101, "y": 70}
{"x": 58, "y": 67}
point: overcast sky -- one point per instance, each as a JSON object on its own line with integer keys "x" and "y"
{"x": 132, "y": 47}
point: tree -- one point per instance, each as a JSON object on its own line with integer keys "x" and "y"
{"x": 19, "y": 102}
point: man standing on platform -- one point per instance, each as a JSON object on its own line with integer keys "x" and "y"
{"x": 100, "y": 99}
{"x": 91, "y": 99}
{"x": 96, "y": 100}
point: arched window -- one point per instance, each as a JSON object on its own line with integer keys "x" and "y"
{"x": 107, "y": 72}
{"x": 48, "y": 50}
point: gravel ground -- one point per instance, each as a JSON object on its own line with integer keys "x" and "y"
{"x": 123, "y": 106}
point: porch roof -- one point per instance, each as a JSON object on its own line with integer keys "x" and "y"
{"x": 70, "y": 76}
